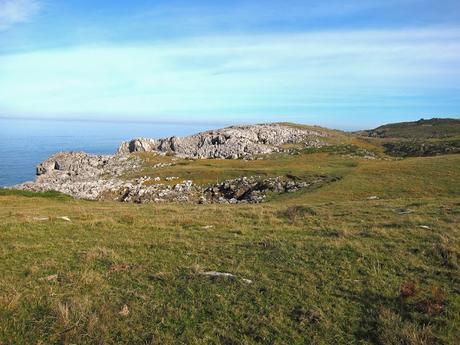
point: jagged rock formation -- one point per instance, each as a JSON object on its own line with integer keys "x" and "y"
{"x": 102, "y": 177}
{"x": 81, "y": 175}
{"x": 99, "y": 177}
{"x": 254, "y": 189}
{"x": 232, "y": 142}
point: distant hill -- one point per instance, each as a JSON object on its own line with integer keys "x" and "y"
{"x": 421, "y": 129}
{"x": 419, "y": 138}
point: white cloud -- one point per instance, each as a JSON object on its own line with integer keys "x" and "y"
{"x": 17, "y": 11}
{"x": 290, "y": 73}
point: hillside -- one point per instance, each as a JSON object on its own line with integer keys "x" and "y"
{"x": 357, "y": 247}
{"x": 421, "y": 129}
{"x": 418, "y": 139}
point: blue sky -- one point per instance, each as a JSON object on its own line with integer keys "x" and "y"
{"x": 345, "y": 64}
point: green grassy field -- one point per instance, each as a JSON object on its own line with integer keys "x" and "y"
{"x": 328, "y": 266}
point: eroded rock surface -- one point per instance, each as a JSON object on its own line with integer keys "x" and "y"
{"x": 81, "y": 175}
{"x": 230, "y": 143}
{"x": 254, "y": 189}
{"x": 96, "y": 177}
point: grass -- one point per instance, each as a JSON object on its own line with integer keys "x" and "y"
{"x": 421, "y": 138}
{"x": 427, "y": 147}
{"x": 421, "y": 129}
{"x": 29, "y": 194}
{"x": 211, "y": 171}
{"x": 328, "y": 266}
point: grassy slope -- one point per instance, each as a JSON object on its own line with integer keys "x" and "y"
{"x": 421, "y": 138}
{"x": 328, "y": 265}
{"x": 422, "y": 129}
{"x": 209, "y": 171}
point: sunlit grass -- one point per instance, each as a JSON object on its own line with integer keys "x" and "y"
{"x": 328, "y": 266}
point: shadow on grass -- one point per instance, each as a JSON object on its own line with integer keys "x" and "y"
{"x": 396, "y": 320}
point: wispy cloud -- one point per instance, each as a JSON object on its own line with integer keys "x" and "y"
{"x": 249, "y": 74}
{"x": 17, "y": 11}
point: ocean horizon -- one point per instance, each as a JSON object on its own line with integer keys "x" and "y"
{"x": 24, "y": 143}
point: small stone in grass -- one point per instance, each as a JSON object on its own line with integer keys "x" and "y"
{"x": 225, "y": 275}
{"x": 402, "y": 212}
{"x": 124, "y": 311}
{"x": 52, "y": 278}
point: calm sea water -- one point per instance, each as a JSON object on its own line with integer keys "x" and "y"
{"x": 25, "y": 143}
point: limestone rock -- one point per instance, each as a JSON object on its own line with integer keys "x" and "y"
{"x": 79, "y": 174}
{"x": 230, "y": 143}
{"x": 96, "y": 177}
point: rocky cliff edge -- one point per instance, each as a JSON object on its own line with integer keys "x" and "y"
{"x": 104, "y": 177}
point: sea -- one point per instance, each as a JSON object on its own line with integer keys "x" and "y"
{"x": 24, "y": 143}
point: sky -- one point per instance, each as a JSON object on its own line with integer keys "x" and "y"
{"x": 347, "y": 64}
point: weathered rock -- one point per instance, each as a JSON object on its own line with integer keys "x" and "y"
{"x": 81, "y": 175}
{"x": 254, "y": 189}
{"x": 227, "y": 275}
{"x": 230, "y": 143}
{"x": 138, "y": 145}
{"x": 96, "y": 177}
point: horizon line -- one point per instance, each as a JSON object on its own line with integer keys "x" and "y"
{"x": 201, "y": 122}
{"x": 100, "y": 120}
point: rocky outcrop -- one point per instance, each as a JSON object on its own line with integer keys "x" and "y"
{"x": 100, "y": 178}
{"x": 138, "y": 145}
{"x": 138, "y": 192}
{"x": 255, "y": 189}
{"x": 96, "y": 177}
{"x": 73, "y": 164}
{"x": 230, "y": 143}
{"x": 81, "y": 175}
